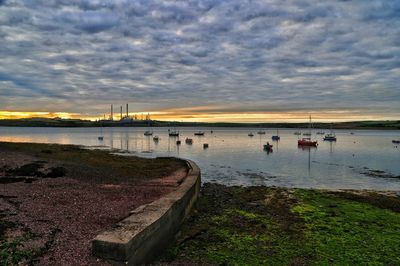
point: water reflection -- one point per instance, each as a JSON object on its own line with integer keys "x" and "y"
{"x": 308, "y": 149}
{"x": 235, "y": 158}
{"x": 276, "y": 144}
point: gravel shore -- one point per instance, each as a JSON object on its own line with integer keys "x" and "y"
{"x": 54, "y": 199}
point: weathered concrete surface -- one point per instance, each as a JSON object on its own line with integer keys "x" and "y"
{"x": 138, "y": 238}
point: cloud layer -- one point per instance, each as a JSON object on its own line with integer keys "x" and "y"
{"x": 239, "y": 56}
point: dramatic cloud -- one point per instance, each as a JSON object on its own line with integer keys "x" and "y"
{"x": 232, "y": 56}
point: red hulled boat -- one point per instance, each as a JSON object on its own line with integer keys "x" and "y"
{"x": 307, "y": 142}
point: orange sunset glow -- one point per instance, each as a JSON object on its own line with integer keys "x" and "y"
{"x": 188, "y": 116}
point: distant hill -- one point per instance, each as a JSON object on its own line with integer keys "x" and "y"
{"x": 58, "y": 122}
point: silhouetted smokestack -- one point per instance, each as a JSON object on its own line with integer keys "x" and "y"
{"x": 112, "y": 115}
{"x": 121, "y": 112}
{"x": 127, "y": 113}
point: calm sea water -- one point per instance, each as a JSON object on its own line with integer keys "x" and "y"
{"x": 234, "y": 158}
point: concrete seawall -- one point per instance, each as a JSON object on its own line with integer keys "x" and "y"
{"x": 138, "y": 238}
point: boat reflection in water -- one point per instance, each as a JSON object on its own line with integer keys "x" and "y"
{"x": 308, "y": 150}
{"x": 233, "y": 158}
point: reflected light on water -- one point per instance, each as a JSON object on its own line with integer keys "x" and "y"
{"x": 234, "y": 158}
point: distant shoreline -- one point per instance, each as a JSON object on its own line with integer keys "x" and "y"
{"x": 46, "y": 122}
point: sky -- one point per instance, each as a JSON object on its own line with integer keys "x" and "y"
{"x": 201, "y": 60}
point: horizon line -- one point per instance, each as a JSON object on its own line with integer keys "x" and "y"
{"x": 244, "y": 118}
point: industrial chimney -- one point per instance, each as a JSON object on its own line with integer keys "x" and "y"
{"x": 112, "y": 115}
{"x": 121, "y": 113}
{"x": 127, "y": 113}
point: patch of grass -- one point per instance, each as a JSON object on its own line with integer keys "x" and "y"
{"x": 12, "y": 252}
{"x": 4, "y": 225}
{"x": 344, "y": 232}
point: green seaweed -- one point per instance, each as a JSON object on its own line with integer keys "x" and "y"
{"x": 274, "y": 226}
{"x": 227, "y": 230}
{"x": 344, "y": 232}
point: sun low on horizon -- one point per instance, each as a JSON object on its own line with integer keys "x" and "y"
{"x": 201, "y": 60}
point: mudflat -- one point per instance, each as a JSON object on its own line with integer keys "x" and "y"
{"x": 54, "y": 199}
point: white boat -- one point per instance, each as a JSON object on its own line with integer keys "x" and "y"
{"x": 148, "y": 133}
{"x": 173, "y": 133}
{"x": 330, "y": 136}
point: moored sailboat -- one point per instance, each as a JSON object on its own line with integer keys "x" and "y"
{"x": 276, "y": 137}
{"x": 268, "y": 147}
{"x": 148, "y": 133}
{"x": 330, "y": 136}
{"x": 173, "y": 133}
{"x": 307, "y": 141}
